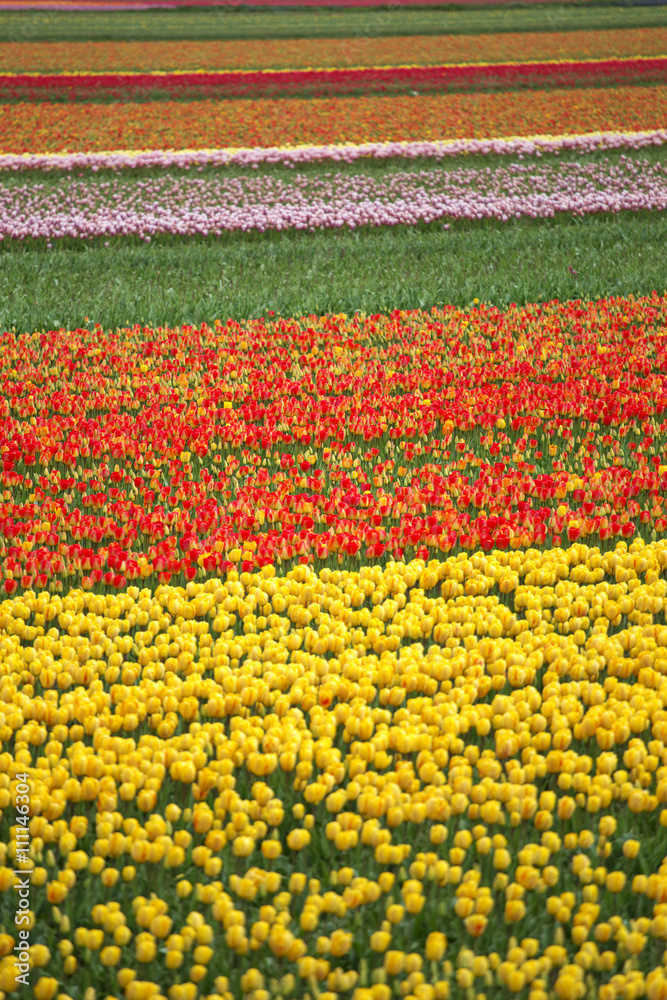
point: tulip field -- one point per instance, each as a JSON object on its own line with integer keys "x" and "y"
{"x": 333, "y": 502}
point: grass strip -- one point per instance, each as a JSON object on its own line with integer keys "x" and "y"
{"x": 225, "y": 23}
{"x": 175, "y": 281}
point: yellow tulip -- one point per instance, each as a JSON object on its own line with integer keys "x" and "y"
{"x": 380, "y": 941}
{"x": 45, "y": 988}
{"x": 615, "y": 881}
{"x": 145, "y": 947}
{"x": 436, "y": 944}
{"x": 394, "y": 962}
{"x": 110, "y": 955}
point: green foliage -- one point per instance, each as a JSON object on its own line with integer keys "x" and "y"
{"x": 226, "y": 22}
{"x": 175, "y": 281}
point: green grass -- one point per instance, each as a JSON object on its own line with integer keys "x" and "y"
{"x": 174, "y": 282}
{"x": 53, "y": 26}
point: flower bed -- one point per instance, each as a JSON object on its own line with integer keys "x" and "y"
{"x": 333, "y": 657}
{"x": 42, "y": 127}
{"x": 171, "y": 454}
{"x": 184, "y": 205}
{"x": 330, "y": 82}
{"x": 349, "y": 153}
{"x": 302, "y": 53}
{"x": 416, "y": 778}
